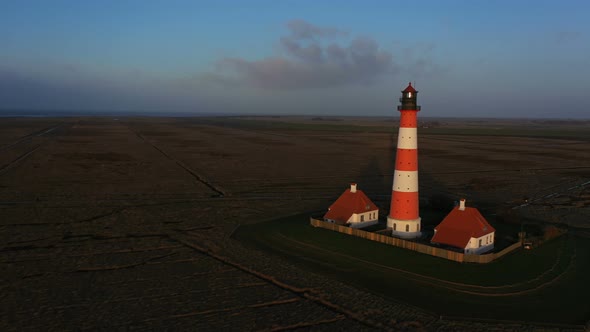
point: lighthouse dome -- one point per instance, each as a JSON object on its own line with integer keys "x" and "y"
{"x": 410, "y": 88}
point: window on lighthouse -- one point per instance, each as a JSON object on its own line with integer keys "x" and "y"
{"x": 409, "y": 95}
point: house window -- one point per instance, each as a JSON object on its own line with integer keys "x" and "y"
{"x": 407, "y": 228}
{"x": 362, "y": 217}
{"x": 480, "y": 242}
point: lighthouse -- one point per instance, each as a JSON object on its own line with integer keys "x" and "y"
{"x": 403, "y": 218}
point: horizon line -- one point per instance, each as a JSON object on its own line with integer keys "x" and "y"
{"x": 15, "y": 112}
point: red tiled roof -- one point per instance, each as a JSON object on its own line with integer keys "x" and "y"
{"x": 349, "y": 203}
{"x": 410, "y": 88}
{"x": 459, "y": 227}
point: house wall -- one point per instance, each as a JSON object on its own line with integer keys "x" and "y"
{"x": 487, "y": 244}
{"x": 368, "y": 216}
{"x": 363, "y": 224}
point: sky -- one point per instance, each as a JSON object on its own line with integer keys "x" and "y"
{"x": 502, "y": 58}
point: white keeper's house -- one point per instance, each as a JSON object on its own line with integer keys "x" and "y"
{"x": 353, "y": 208}
{"x": 465, "y": 228}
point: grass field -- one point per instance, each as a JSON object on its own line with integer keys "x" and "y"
{"x": 118, "y": 217}
{"x": 271, "y": 124}
{"x": 543, "y": 285}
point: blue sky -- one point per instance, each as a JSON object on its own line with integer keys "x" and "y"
{"x": 468, "y": 58}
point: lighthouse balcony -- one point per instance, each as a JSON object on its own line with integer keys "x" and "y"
{"x": 408, "y": 107}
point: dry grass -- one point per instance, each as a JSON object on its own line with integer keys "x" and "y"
{"x": 105, "y": 196}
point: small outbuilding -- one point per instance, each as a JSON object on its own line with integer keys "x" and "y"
{"x": 353, "y": 208}
{"x": 465, "y": 228}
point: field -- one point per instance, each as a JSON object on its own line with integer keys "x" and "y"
{"x": 142, "y": 222}
{"x": 508, "y": 289}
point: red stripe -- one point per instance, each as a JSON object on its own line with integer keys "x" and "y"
{"x": 404, "y": 206}
{"x": 408, "y": 119}
{"x": 406, "y": 160}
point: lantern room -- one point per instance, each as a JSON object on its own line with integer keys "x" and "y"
{"x": 408, "y": 99}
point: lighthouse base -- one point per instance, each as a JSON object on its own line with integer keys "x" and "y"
{"x": 406, "y": 229}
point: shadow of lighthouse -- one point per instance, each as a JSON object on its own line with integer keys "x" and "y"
{"x": 376, "y": 180}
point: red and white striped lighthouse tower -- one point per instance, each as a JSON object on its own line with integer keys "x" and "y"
{"x": 404, "y": 219}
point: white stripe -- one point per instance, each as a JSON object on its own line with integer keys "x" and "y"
{"x": 406, "y": 181}
{"x": 407, "y": 138}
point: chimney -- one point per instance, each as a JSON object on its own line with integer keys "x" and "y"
{"x": 462, "y": 204}
{"x": 353, "y": 188}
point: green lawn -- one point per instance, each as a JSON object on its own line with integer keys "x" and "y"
{"x": 543, "y": 284}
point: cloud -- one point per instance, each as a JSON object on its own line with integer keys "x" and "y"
{"x": 308, "y": 60}
{"x": 69, "y": 87}
{"x": 300, "y": 29}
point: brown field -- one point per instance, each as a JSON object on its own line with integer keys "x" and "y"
{"x": 126, "y": 223}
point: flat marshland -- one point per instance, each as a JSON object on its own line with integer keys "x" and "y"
{"x": 157, "y": 223}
